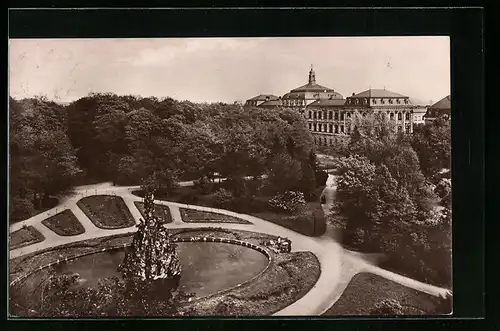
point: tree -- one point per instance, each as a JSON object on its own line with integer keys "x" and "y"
{"x": 433, "y": 146}
{"x": 284, "y": 173}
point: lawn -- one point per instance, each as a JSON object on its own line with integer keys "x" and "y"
{"x": 64, "y": 223}
{"x": 107, "y": 211}
{"x": 161, "y": 211}
{"x": 196, "y": 216}
{"x": 27, "y": 235}
{"x": 302, "y": 221}
{"x": 365, "y": 290}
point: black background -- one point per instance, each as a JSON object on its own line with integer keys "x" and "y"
{"x": 466, "y": 30}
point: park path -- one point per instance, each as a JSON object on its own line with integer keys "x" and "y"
{"x": 331, "y": 256}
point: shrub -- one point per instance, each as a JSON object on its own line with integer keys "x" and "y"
{"x": 20, "y": 209}
{"x": 222, "y": 197}
{"x": 288, "y": 201}
{"x": 388, "y": 307}
{"x": 203, "y": 185}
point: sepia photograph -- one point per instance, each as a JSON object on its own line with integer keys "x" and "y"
{"x": 229, "y": 176}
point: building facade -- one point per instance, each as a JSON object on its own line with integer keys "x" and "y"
{"x": 441, "y": 109}
{"x": 330, "y": 117}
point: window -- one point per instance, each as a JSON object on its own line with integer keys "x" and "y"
{"x": 319, "y": 115}
{"x": 390, "y": 101}
{"x": 398, "y": 101}
{"x": 382, "y": 101}
{"x": 331, "y": 128}
{"x": 324, "y": 140}
{"x": 314, "y": 127}
{"x": 331, "y": 142}
{"x": 374, "y": 101}
{"x": 324, "y": 115}
{"x": 407, "y": 129}
{"x": 330, "y": 115}
{"x": 342, "y": 128}
{"x": 349, "y": 115}
{"x": 336, "y": 129}
{"x": 336, "y": 116}
{"x": 407, "y": 116}
{"x": 348, "y": 129}
{"x": 392, "y": 116}
{"x": 314, "y": 115}
{"x": 400, "y": 117}
{"x": 310, "y": 114}
{"x": 341, "y": 116}
{"x": 310, "y": 126}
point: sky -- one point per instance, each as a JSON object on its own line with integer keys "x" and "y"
{"x": 227, "y": 69}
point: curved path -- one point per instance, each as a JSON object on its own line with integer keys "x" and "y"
{"x": 338, "y": 266}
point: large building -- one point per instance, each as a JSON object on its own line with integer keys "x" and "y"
{"x": 329, "y": 115}
{"x": 441, "y": 109}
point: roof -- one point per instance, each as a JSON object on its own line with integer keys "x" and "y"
{"x": 444, "y": 103}
{"x": 312, "y": 87}
{"x": 378, "y": 93}
{"x": 271, "y": 103}
{"x": 328, "y": 103}
{"x": 264, "y": 97}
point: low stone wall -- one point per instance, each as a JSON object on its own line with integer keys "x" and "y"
{"x": 260, "y": 249}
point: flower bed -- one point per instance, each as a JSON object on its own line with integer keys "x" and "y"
{"x": 107, "y": 211}
{"x": 161, "y": 211}
{"x": 197, "y": 216}
{"x": 64, "y": 223}
{"x": 27, "y": 235}
{"x": 366, "y": 290}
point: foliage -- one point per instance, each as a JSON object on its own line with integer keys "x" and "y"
{"x": 42, "y": 159}
{"x": 110, "y": 298}
{"x": 384, "y": 202}
{"x": 288, "y": 201}
{"x": 152, "y": 264}
{"x": 222, "y": 197}
{"x": 389, "y": 307}
{"x": 284, "y": 173}
{"x": 433, "y": 146}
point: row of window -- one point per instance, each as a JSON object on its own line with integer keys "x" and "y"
{"x": 293, "y": 102}
{"x": 382, "y": 101}
{"x": 330, "y": 128}
{"x": 331, "y": 115}
{"x": 336, "y": 115}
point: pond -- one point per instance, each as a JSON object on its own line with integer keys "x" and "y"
{"x": 207, "y": 268}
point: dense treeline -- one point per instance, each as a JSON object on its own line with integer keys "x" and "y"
{"x": 386, "y": 203}
{"x": 129, "y": 140}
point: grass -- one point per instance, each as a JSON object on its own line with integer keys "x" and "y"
{"x": 196, "y": 216}
{"x": 107, "y": 211}
{"x": 161, "y": 211}
{"x": 365, "y": 290}
{"x": 288, "y": 279}
{"x": 27, "y": 235}
{"x": 301, "y": 221}
{"x": 64, "y": 223}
